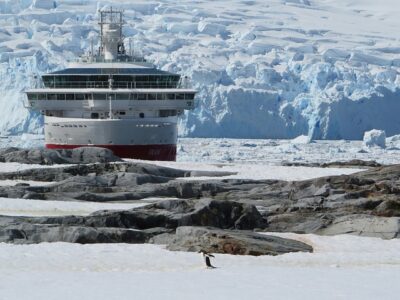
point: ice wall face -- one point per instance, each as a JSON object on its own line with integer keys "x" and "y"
{"x": 276, "y": 69}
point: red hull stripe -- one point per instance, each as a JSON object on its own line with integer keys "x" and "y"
{"x": 146, "y": 152}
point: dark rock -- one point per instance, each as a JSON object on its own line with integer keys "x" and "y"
{"x": 363, "y": 225}
{"x": 208, "y": 174}
{"x": 348, "y": 163}
{"x": 39, "y": 233}
{"x": 34, "y": 196}
{"x": 228, "y": 242}
{"x": 22, "y": 184}
{"x": 88, "y": 155}
{"x": 353, "y": 163}
{"x": 169, "y": 214}
{"x": 7, "y": 150}
{"x": 83, "y": 155}
{"x": 388, "y": 208}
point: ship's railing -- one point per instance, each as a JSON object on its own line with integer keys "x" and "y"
{"x": 115, "y": 85}
{"x": 123, "y": 58}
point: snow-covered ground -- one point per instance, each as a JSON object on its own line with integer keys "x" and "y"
{"x": 342, "y": 267}
{"x": 14, "y": 167}
{"x": 257, "y": 171}
{"x": 29, "y": 207}
{"x": 30, "y": 182}
{"x": 264, "y": 69}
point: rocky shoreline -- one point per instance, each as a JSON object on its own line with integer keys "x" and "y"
{"x": 218, "y": 215}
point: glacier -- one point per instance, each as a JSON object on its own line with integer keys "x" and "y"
{"x": 279, "y": 69}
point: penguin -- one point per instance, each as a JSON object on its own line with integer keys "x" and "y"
{"x": 207, "y": 259}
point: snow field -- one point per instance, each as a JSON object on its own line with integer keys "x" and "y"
{"x": 259, "y": 171}
{"x": 29, "y": 207}
{"x": 342, "y": 267}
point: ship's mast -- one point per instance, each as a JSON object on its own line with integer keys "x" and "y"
{"x": 111, "y": 38}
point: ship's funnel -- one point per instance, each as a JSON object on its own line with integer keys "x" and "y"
{"x": 112, "y": 45}
{"x": 111, "y": 39}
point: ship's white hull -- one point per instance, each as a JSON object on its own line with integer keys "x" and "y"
{"x": 151, "y": 138}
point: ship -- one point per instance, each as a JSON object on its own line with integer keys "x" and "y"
{"x": 113, "y": 98}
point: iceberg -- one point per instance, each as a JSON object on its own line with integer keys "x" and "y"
{"x": 375, "y": 138}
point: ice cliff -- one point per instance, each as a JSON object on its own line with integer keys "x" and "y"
{"x": 264, "y": 69}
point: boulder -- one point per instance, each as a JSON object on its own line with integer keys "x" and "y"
{"x": 364, "y": 225}
{"x": 169, "y": 214}
{"x": 83, "y": 155}
{"x": 26, "y": 233}
{"x": 87, "y": 155}
{"x": 233, "y": 242}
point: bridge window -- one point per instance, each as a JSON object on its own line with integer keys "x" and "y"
{"x": 69, "y": 97}
{"x": 141, "y": 115}
{"x": 189, "y": 96}
{"x": 160, "y": 96}
{"x": 32, "y": 96}
{"x": 180, "y": 96}
{"x": 94, "y": 115}
{"x": 110, "y": 96}
{"x": 151, "y": 96}
{"x": 171, "y": 96}
{"x": 134, "y": 96}
{"x": 167, "y": 113}
{"x": 122, "y": 96}
{"x": 60, "y": 97}
{"x": 99, "y": 96}
{"x": 88, "y": 96}
{"x": 79, "y": 97}
{"x": 51, "y": 97}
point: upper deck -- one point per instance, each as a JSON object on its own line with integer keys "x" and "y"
{"x": 123, "y": 75}
{"x": 111, "y": 78}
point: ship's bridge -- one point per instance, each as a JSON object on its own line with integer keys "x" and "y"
{"x": 123, "y": 75}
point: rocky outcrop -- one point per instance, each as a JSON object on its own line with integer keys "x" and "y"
{"x": 83, "y": 155}
{"x": 26, "y": 233}
{"x": 366, "y": 203}
{"x": 228, "y": 242}
{"x": 168, "y": 214}
{"x": 364, "y": 225}
{"x": 135, "y": 225}
{"x": 353, "y": 163}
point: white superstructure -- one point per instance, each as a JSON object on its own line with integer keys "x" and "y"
{"x": 114, "y": 100}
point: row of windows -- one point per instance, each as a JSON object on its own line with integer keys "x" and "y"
{"x": 84, "y": 126}
{"x": 102, "y": 81}
{"x": 111, "y": 96}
